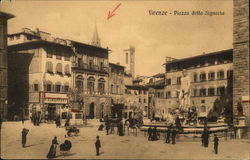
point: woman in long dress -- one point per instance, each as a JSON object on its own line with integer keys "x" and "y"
{"x": 52, "y": 150}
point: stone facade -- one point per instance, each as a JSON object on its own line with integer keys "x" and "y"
{"x": 46, "y": 71}
{"x": 3, "y": 64}
{"x": 39, "y": 74}
{"x": 136, "y": 98}
{"x": 241, "y": 55}
{"x": 210, "y": 79}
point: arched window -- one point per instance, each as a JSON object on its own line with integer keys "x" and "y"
{"x": 49, "y": 67}
{"x": 59, "y": 68}
{"x": 91, "y": 85}
{"x": 112, "y": 88}
{"x": 66, "y": 87}
{"x": 203, "y": 92}
{"x": 220, "y": 75}
{"x": 203, "y": 77}
{"x": 195, "y": 77}
{"x": 79, "y": 82}
{"x": 48, "y": 86}
{"x": 58, "y": 87}
{"x": 66, "y": 69}
{"x": 101, "y": 86}
{"x": 211, "y": 76}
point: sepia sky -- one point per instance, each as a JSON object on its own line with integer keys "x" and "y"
{"x": 154, "y": 37}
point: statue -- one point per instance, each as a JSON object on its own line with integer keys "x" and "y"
{"x": 184, "y": 95}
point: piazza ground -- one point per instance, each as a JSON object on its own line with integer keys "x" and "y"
{"x": 113, "y": 146}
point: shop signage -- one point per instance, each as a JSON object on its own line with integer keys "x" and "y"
{"x": 55, "y": 98}
{"x": 245, "y": 99}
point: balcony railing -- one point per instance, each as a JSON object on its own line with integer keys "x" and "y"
{"x": 87, "y": 67}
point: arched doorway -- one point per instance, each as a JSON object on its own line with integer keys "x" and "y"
{"x": 91, "y": 110}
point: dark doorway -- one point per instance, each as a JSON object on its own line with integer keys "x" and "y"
{"x": 91, "y": 110}
{"x": 51, "y": 112}
{"x": 116, "y": 110}
{"x": 102, "y": 111}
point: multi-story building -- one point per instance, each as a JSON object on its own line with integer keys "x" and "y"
{"x": 91, "y": 76}
{"x": 136, "y": 100}
{"x": 210, "y": 75}
{"x": 50, "y": 75}
{"x": 116, "y": 88}
{"x": 4, "y": 17}
{"x": 39, "y": 73}
{"x": 156, "y": 99}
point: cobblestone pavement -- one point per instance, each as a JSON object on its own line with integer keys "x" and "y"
{"x": 113, "y": 146}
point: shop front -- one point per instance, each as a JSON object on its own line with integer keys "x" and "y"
{"x": 53, "y": 103}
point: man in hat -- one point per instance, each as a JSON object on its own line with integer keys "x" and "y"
{"x": 24, "y": 135}
{"x": 216, "y": 143}
{"x": 97, "y": 145}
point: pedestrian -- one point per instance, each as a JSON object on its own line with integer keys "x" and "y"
{"x": 24, "y": 136}
{"x": 38, "y": 119}
{"x": 202, "y": 139}
{"x": 120, "y": 129}
{"x": 67, "y": 123}
{"x": 34, "y": 119}
{"x": 107, "y": 127}
{"x": 150, "y": 134}
{"x": 174, "y": 132}
{"x": 168, "y": 135}
{"x": 216, "y": 143}
{"x": 58, "y": 122}
{"x": 155, "y": 137}
{"x": 97, "y": 145}
{"x": 206, "y": 137}
{"x": 52, "y": 150}
{"x": 112, "y": 128}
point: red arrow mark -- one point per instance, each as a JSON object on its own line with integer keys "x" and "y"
{"x": 111, "y": 14}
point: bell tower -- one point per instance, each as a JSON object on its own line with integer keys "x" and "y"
{"x": 130, "y": 60}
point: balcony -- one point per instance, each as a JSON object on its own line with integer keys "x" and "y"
{"x": 81, "y": 67}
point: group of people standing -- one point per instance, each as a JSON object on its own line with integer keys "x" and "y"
{"x": 36, "y": 119}
{"x": 171, "y": 135}
{"x": 171, "y": 132}
{"x": 153, "y": 135}
{"x": 109, "y": 125}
